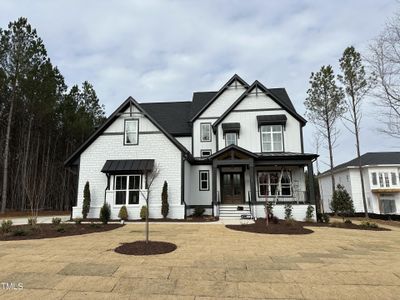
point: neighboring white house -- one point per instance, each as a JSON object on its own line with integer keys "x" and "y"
{"x": 225, "y": 151}
{"x": 381, "y": 172}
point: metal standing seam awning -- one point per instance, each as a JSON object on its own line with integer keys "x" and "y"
{"x": 128, "y": 166}
{"x": 271, "y": 120}
{"x": 231, "y": 127}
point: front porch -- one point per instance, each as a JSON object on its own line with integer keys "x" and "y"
{"x": 247, "y": 180}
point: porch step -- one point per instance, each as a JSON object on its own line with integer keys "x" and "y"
{"x": 232, "y": 211}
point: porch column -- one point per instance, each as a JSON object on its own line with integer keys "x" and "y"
{"x": 214, "y": 183}
{"x": 311, "y": 186}
{"x": 252, "y": 183}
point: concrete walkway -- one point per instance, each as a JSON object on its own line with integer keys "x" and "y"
{"x": 211, "y": 262}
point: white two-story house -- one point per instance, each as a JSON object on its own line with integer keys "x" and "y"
{"x": 226, "y": 151}
{"x": 381, "y": 174}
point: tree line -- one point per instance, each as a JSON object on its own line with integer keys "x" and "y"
{"x": 331, "y": 97}
{"x": 42, "y": 121}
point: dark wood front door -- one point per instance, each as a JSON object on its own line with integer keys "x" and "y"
{"x": 232, "y": 188}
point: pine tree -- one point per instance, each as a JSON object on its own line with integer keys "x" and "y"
{"x": 356, "y": 85}
{"x": 325, "y": 105}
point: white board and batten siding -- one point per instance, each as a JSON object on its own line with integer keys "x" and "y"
{"x": 249, "y": 135}
{"x": 211, "y": 114}
{"x": 153, "y": 144}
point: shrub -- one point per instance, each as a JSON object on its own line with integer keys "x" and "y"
{"x": 290, "y": 222}
{"x": 94, "y": 225}
{"x": 56, "y": 221}
{"x": 123, "y": 213}
{"x": 105, "y": 213}
{"x": 323, "y": 218}
{"x": 78, "y": 221}
{"x": 348, "y": 221}
{"x": 368, "y": 224}
{"x": 164, "y": 200}
{"x": 32, "y": 221}
{"x": 143, "y": 212}
{"x": 20, "y": 232}
{"x": 270, "y": 209}
{"x": 288, "y": 211}
{"x": 6, "y": 226}
{"x": 310, "y": 213}
{"x": 198, "y": 211}
{"x": 341, "y": 201}
{"x": 86, "y": 200}
{"x": 275, "y": 220}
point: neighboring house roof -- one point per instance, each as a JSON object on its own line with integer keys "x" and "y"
{"x": 370, "y": 158}
{"x": 130, "y": 101}
{"x": 284, "y": 102}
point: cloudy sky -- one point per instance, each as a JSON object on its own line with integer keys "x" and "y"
{"x": 165, "y": 50}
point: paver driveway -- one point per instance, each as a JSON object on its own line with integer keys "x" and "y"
{"x": 211, "y": 261}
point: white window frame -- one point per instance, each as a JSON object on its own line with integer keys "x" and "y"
{"x": 268, "y": 183}
{"x": 136, "y": 131}
{"x": 202, "y": 126}
{"x": 235, "y": 140}
{"x": 207, "y": 180}
{"x": 269, "y": 131}
{"x": 127, "y": 189}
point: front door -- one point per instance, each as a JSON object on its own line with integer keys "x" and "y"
{"x": 232, "y": 188}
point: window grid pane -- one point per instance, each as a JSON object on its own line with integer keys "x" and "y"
{"x": 271, "y": 138}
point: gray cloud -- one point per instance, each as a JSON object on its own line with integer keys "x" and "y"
{"x": 165, "y": 50}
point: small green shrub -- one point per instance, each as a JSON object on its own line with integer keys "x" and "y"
{"x": 56, "y": 221}
{"x": 290, "y": 222}
{"x": 32, "y": 221}
{"x": 310, "y": 213}
{"x": 105, "y": 213}
{"x": 6, "y": 226}
{"x": 274, "y": 220}
{"x": 143, "y": 212}
{"x": 368, "y": 224}
{"x": 198, "y": 211}
{"x": 288, "y": 211}
{"x": 348, "y": 221}
{"x": 323, "y": 218}
{"x": 341, "y": 203}
{"x": 164, "y": 200}
{"x": 95, "y": 225}
{"x": 123, "y": 213}
{"x": 78, "y": 221}
{"x": 20, "y": 232}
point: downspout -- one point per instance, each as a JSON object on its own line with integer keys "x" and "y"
{"x": 107, "y": 187}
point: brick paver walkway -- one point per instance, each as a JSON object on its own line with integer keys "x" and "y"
{"x": 210, "y": 262}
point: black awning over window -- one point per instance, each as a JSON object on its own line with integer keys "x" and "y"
{"x": 128, "y": 166}
{"x": 271, "y": 120}
{"x": 231, "y": 127}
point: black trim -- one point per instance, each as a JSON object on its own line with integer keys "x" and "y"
{"x": 206, "y": 123}
{"x": 203, "y": 156}
{"x": 137, "y": 132}
{"x": 130, "y": 101}
{"x": 226, "y": 85}
{"x": 260, "y": 86}
{"x": 208, "y": 180}
{"x": 233, "y": 147}
{"x": 271, "y": 120}
{"x": 202, "y": 206}
{"x": 301, "y": 139}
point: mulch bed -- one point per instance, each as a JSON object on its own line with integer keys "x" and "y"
{"x": 143, "y": 248}
{"x": 43, "y": 231}
{"x": 281, "y": 227}
{"x": 28, "y": 214}
{"x": 345, "y": 226}
{"x": 187, "y": 220}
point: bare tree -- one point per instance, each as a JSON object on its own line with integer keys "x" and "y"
{"x": 150, "y": 176}
{"x": 325, "y": 104}
{"x": 384, "y": 61}
{"x": 356, "y": 85}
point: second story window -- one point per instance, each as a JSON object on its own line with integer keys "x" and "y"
{"x": 131, "y": 134}
{"x": 205, "y": 132}
{"x": 271, "y": 138}
{"x": 205, "y": 152}
{"x": 231, "y": 138}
